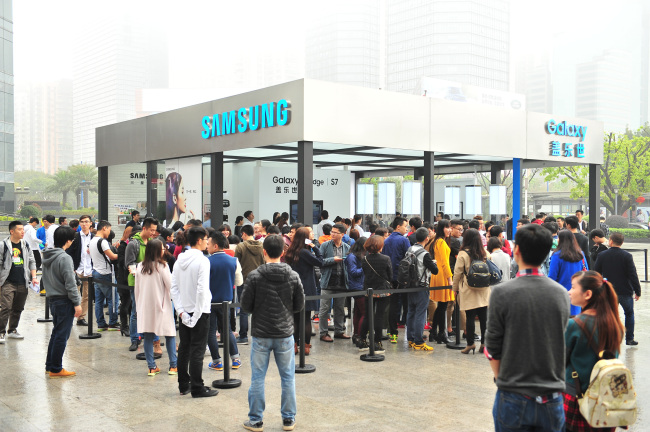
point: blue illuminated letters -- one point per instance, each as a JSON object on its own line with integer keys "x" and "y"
{"x": 244, "y": 119}
{"x": 567, "y": 150}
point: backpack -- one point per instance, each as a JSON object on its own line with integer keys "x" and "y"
{"x": 610, "y": 399}
{"x": 495, "y": 272}
{"x": 109, "y": 263}
{"x": 407, "y": 270}
{"x": 478, "y": 275}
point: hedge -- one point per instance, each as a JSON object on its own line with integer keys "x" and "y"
{"x": 631, "y": 233}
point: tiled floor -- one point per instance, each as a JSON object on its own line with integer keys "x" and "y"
{"x": 409, "y": 391}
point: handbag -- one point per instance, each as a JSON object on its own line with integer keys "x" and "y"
{"x": 389, "y": 285}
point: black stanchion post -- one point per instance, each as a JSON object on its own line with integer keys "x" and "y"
{"x": 47, "y": 312}
{"x": 457, "y": 344}
{"x": 91, "y": 297}
{"x": 645, "y": 259}
{"x": 226, "y": 382}
{"x": 302, "y": 367}
{"x": 371, "y": 356}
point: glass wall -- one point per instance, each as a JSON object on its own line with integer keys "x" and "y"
{"x": 6, "y": 108}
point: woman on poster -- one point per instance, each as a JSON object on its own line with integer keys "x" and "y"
{"x": 176, "y": 199}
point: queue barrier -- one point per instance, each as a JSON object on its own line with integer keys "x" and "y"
{"x": 301, "y": 367}
{"x": 645, "y": 261}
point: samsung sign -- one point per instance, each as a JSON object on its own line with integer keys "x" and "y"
{"x": 247, "y": 119}
{"x": 564, "y": 149}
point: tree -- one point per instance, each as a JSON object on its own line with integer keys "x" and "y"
{"x": 624, "y": 174}
{"x": 63, "y": 184}
{"x": 39, "y": 185}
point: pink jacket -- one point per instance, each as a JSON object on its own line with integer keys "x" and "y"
{"x": 153, "y": 301}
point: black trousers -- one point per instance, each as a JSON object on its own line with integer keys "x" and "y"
{"x": 379, "y": 304}
{"x": 296, "y": 328}
{"x": 471, "y": 323}
{"x": 395, "y": 309}
{"x": 191, "y": 351}
{"x": 125, "y": 306}
{"x": 439, "y": 318}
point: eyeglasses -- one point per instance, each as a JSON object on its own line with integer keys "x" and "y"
{"x": 335, "y": 232}
{"x": 457, "y": 229}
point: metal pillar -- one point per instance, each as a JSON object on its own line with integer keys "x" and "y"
{"x": 152, "y": 188}
{"x": 429, "y": 211}
{"x": 216, "y": 189}
{"x": 305, "y": 182}
{"x": 594, "y": 198}
{"x": 516, "y": 194}
{"x": 102, "y": 189}
{"x": 495, "y": 173}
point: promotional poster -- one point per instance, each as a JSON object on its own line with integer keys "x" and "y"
{"x": 182, "y": 190}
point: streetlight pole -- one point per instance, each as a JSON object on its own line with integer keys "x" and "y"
{"x": 616, "y": 202}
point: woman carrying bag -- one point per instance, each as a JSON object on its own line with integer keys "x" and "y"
{"x": 439, "y": 250}
{"x": 599, "y": 318}
{"x": 473, "y": 300}
{"x": 567, "y": 259}
{"x": 153, "y": 302}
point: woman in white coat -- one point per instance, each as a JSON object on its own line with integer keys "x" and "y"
{"x": 153, "y": 282}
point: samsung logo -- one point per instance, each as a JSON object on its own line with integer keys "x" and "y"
{"x": 247, "y": 119}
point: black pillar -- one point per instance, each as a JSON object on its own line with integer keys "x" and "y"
{"x": 594, "y": 196}
{"x": 429, "y": 211}
{"x": 152, "y": 188}
{"x": 216, "y": 189}
{"x": 305, "y": 182}
{"x": 495, "y": 173}
{"x": 102, "y": 189}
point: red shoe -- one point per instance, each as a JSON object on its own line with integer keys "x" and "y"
{"x": 401, "y": 326}
{"x": 427, "y": 326}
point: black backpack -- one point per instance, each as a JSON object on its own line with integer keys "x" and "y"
{"x": 408, "y": 274}
{"x": 478, "y": 275}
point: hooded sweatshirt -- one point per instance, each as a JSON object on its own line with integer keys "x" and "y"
{"x": 251, "y": 256}
{"x": 59, "y": 276}
{"x": 191, "y": 286}
{"x": 272, "y": 293}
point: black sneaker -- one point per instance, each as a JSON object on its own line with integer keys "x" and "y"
{"x": 102, "y": 328}
{"x": 205, "y": 392}
{"x": 82, "y": 322}
{"x": 288, "y": 424}
{"x": 379, "y": 348}
{"x": 631, "y": 342}
{"x": 255, "y": 427}
{"x": 363, "y": 345}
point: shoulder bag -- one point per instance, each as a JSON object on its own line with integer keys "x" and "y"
{"x": 389, "y": 285}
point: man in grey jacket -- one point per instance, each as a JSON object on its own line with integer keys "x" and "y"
{"x": 17, "y": 272}
{"x": 527, "y": 317}
{"x": 63, "y": 296}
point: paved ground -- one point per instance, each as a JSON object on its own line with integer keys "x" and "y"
{"x": 440, "y": 391}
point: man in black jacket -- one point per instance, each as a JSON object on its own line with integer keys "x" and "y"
{"x": 272, "y": 294}
{"x": 617, "y": 266}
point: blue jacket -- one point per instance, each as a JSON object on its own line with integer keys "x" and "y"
{"x": 40, "y": 234}
{"x": 327, "y": 252}
{"x": 222, "y": 276}
{"x": 355, "y": 273}
{"x": 395, "y": 247}
{"x": 561, "y": 271}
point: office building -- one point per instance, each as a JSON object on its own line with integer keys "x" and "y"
{"x": 6, "y": 109}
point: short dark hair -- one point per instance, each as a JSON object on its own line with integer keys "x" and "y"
{"x": 550, "y": 219}
{"x": 247, "y": 213}
{"x": 475, "y": 224}
{"x": 539, "y": 216}
{"x": 62, "y": 219}
{"x": 274, "y": 246}
{"x": 14, "y": 224}
{"x": 596, "y": 233}
{"x": 327, "y": 229}
{"x": 102, "y": 224}
{"x": 572, "y": 221}
{"x": 248, "y": 230}
{"x": 220, "y": 240}
{"x": 456, "y": 222}
{"x": 347, "y": 221}
{"x": 534, "y": 243}
{"x": 74, "y": 223}
{"x": 195, "y": 234}
{"x": 374, "y": 244}
{"x": 580, "y": 211}
{"x": 62, "y": 235}
{"x": 296, "y": 226}
{"x": 421, "y": 234}
{"x": 494, "y": 243}
{"x": 85, "y": 217}
{"x": 233, "y": 239}
{"x": 266, "y": 224}
{"x": 33, "y": 219}
{"x": 381, "y": 231}
{"x": 273, "y": 229}
{"x": 324, "y": 215}
{"x": 357, "y": 217}
{"x": 415, "y": 221}
{"x": 373, "y": 227}
{"x": 49, "y": 218}
{"x": 342, "y": 229}
{"x": 617, "y": 238}
{"x": 488, "y": 225}
{"x": 177, "y": 225}
{"x": 149, "y": 221}
{"x": 398, "y": 221}
{"x": 551, "y": 226}
{"x": 134, "y": 213}
{"x": 523, "y": 221}
{"x": 495, "y": 231}
{"x": 195, "y": 223}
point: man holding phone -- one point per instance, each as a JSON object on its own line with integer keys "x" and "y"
{"x": 334, "y": 278}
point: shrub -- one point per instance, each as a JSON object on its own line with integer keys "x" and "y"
{"x": 632, "y": 233}
{"x": 617, "y": 222}
{"x": 31, "y": 211}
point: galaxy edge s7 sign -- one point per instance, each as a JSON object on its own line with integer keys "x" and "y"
{"x": 246, "y": 119}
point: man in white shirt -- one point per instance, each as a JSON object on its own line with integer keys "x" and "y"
{"x": 80, "y": 253}
{"x": 249, "y": 217}
{"x": 356, "y": 224}
{"x": 50, "y": 227}
{"x": 103, "y": 271}
{"x": 324, "y": 219}
{"x": 33, "y": 242}
{"x": 192, "y": 297}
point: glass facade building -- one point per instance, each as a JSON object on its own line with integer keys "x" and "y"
{"x": 6, "y": 108}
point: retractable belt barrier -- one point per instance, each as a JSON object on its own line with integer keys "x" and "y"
{"x": 645, "y": 261}
{"x": 301, "y": 367}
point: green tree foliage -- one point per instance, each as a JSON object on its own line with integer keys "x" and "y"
{"x": 30, "y": 210}
{"x": 626, "y": 169}
{"x": 38, "y": 183}
{"x": 50, "y": 187}
{"x": 63, "y": 184}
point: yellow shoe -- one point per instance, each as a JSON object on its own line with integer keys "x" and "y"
{"x": 411, "y": 344}
{"x": 173, "y": 371}
{"x": 154, "y": 371}
{"x": 423, "y": 347}
{"x": 64, "y": 373}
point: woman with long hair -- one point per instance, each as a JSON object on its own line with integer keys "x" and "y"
{"x": 377, "y": 274}
{"x": 440, "y": 251}
{"x": 176, "y": 200}
{"x": 472, "y": 300}
{"x": 599, "y": 319}
{"x": 353, "y": 265}
{"x": 567, "y": 259}
{"x": 303, "y": 256}
{"x": 153, "y": 302}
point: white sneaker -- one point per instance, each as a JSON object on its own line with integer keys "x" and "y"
{"x": 15, "y": 335}
{"x": 2, "y": 338}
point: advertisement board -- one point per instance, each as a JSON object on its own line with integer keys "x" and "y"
{"x": 183, "y": 190}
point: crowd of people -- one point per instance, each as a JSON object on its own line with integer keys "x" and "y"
{"x": 171, "y": 280}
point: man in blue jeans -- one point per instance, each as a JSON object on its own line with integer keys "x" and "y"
{"x": 64, "y": 299}
{"x": 527, "y": 317}
{"x": 272, "y": 293}
{"x": 101, "y": 255}
{"x": 617, "y": 266}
